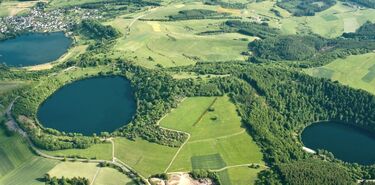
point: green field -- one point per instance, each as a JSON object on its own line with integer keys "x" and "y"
{"x": 227, "y": 122}
{"x": 243, "y": 175}
{"x": 356, "y": 71}
{"x": 97, "y": 151}
{"x": 91, "y": 171}
{"x": 217, "y": 138}
{"x": 175, "y": 43}
{"x": 145, "y": 157}
{"x": 329, "y": 23}
{"x": 16, "y": 160}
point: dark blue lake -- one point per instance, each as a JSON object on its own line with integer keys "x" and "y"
{"x": 346, "y": 142}
{"x": 89, "y": 106}
{"x": 33, "y": 49}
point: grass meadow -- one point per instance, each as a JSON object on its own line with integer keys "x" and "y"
{"x": 145, "y": 157}
{"x": 217, "y": 138}
{"x": 176, "y": 43}
{"x": 16, "y": 160}
{"x": 96, "y": 175}
{"x": 357, "y": 71}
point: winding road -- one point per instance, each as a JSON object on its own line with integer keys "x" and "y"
{"x": 13, "y": 126}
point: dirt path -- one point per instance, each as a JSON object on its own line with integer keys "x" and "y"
{"x": 178, "y": 151}
{"x": 239, "y": 165}
{"x": 96, "y": 175}
{"x": 221, "y": 137}
{"x": 137, "y": 18}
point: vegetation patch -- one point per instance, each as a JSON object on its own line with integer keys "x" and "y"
{"x": 145, "y": 157}
{"x": 355, "y": 71}
{"x": 305, "y": 7}
{"x": 213, "y": 161}
{"x": 198, "y": 14}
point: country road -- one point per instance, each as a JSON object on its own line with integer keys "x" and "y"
{"x": 13, "y": 126}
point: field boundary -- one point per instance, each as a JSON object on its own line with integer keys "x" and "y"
{"x": 205, "y": 112}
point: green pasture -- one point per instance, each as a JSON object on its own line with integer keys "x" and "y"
{"x": 217, "y": 138}
{"x": 30, "y": 172}
{"x": 18, "y": 165}
{"x": 176, "y": 43}
{"x": 357, "y": 71}
{"x": 243, "y": 175}
{"x": 145, "y": 157}
{"x": 330, "y": 23}
{"x": 96, "y": 175}
{"x": 204, "y": 127}
{"x": 233, "y": 150}
{"x": 101, "y": 151}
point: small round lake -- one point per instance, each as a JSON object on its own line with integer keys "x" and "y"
{"x": 89, "y": 106}
{"x": 346, "y": 142}
{"x": 33, "y": 49}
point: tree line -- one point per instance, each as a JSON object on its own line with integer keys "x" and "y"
{"x": 276, "y": 103}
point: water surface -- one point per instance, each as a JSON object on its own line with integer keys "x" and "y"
{"x": 89, "y": 106}
{"x": 33, "y": 49}
{"x": 346, "y": 142}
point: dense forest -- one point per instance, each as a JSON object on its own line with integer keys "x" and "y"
{"x": 365, "y": 32}
{"x": 305, "y": 7}
{"x": 225, "y": 4}
{"x": 313, "y": 49}
{"x": 365, "y": 3}
{"x": 198, "y": 14}
{"x": 94, "y": 30}
{"x": 276, "y": 103}
{"x": 65, "y": 181}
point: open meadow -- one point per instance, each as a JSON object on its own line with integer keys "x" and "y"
{"x": 145, "y": 157}
{"x": 356, "y": 71}
{"x": 217, "y": 139}
{"x": 18, "y": 161}
{"x": 175, "y": 43}
{"x": 96, "y": 175}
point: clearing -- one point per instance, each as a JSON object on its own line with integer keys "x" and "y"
{"x": 217, "y": 139}
{"x": 357, "y": 71}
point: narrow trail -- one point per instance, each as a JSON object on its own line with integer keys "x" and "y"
{"x": 239, "y": 165}
{"x": 96, "y": 175}
{"x": 221, "y": 137}
{"x": 137, "y": 18}
{"x": 178, "y": 151}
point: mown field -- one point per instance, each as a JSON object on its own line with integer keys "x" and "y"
{"x": 217, "y": 138}
{"x": 16, "y": 161}
{"x": 145, "y": 157}
{"x": 355, "y": 71}
{"x": 96, "y": 175}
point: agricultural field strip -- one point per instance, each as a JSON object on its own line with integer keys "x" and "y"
{"x": 13, "y": 125}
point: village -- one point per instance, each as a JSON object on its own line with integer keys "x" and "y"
{"x": 40, "y": 20}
